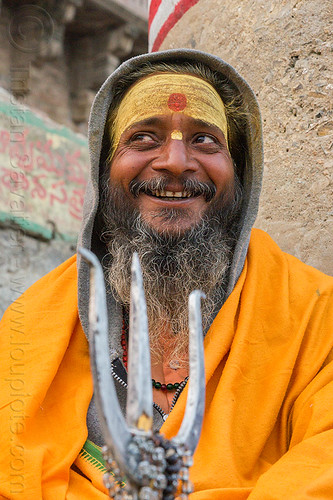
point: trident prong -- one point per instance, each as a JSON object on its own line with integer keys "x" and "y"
{"x": 139, "y": 409}
{"x": 135, "y": 449}
{"x": 115, "y": 431}
{"x": 190, "y": 428}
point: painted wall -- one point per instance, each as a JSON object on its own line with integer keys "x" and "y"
{"x": 284, "y": 50}
{"x": 163, "y": 16}
{"x": 43, "y": 170}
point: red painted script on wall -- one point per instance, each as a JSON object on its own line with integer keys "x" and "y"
{"x": 43, "y": 171}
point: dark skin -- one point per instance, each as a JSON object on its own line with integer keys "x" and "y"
{"x": 147, "y": 150}
{"x": 173, "y": 146}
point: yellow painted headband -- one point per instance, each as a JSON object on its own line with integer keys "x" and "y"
{"x": 168, "y": 93}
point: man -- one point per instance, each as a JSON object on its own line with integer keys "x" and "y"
{"x": 176, "y": 164}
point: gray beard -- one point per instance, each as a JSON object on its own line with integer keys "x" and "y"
{"x": 172, "y": 265}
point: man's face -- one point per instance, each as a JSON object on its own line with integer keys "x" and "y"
{"x": 179, "y": 150}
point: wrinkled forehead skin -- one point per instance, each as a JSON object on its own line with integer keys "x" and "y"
{"x": 166, "y": 94}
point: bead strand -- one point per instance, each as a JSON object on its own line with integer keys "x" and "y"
{"x": 165, "y": 387}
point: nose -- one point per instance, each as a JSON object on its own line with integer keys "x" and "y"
{"x": 175, "y": 159}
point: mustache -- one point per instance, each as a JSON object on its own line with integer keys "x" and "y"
{"x": 190, "y": 186}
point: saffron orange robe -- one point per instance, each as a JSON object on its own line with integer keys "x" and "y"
{"x": 268, "y": 427}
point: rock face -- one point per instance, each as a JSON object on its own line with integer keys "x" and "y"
{"x": 284, "y": 49}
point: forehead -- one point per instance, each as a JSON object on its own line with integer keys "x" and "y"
{"x": 169, "y": 94}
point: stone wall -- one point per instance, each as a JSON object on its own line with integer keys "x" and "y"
{"x": 54, "y": 55}
{"x": 284, "y": 49}
{"x": 57, "y": 53}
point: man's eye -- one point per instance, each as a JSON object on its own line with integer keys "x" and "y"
{"x": 143, "y": 141}
{"x": 142, "y": 138}
{"x": 205, "y": 139}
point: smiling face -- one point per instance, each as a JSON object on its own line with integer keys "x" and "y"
{"x": 172, "y": 165}
{"x": 147, "y": 153}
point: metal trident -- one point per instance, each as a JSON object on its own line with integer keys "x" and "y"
{"x": 151, "y": 466}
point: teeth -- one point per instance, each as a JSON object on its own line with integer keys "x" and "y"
{"x": 170, "y": 194}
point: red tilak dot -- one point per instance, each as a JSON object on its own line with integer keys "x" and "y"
{"x": 177, "y": 102}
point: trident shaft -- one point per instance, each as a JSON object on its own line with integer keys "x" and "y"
{"x": 142, "y": 464}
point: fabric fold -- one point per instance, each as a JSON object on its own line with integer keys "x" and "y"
{"x": 268, "y": 396}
